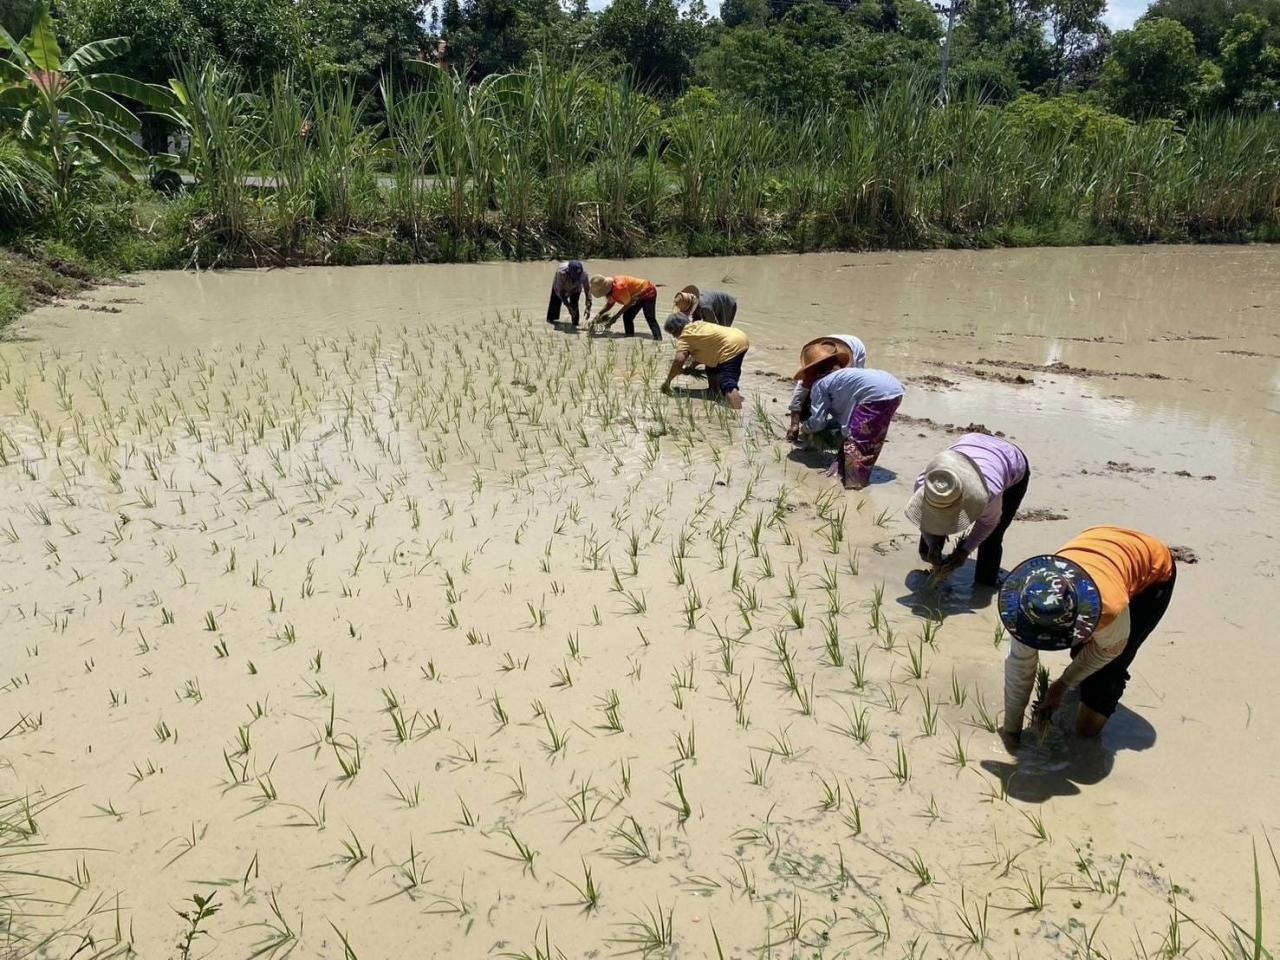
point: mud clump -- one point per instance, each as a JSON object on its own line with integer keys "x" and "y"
{"x": 1246, "y": 353}
{"x": 1065, "y": 369}
{"x": 1039, "y": 515}
{"x": 930, "y": 382}
{"x": 968, "y": 369}
{"x": 946, "y": 427}
{"x": 1114, "y": 466}
{"x": 1184, "y": 554}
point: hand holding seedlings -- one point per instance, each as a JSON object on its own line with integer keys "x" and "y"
{"x": 1049, "y": 701}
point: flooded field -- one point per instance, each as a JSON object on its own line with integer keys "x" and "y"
{"x": 403, "y": 625}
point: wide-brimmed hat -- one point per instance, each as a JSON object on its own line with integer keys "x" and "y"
{"x": 687, "y": 299}
{"x": 952, "y": 497}
{"x": 600, "y": 286}
{"x": 1050, "y": 603}
{"x": 820, "y": 351}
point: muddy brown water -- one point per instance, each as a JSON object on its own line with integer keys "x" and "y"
{"x": 319, "y": 423}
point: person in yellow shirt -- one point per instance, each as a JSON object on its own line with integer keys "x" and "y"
{"x": 1099, "y": 596}
{"x": 719, "y": 349}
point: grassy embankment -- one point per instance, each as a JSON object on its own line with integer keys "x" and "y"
{"x": 552, "y": 163}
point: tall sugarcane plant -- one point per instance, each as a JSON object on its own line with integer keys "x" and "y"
{"x": 68, "y": 109}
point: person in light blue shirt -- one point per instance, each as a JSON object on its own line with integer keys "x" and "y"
{"x": 860, "y": 405}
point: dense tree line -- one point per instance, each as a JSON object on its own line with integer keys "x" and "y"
{"x": 1181, "y": 57}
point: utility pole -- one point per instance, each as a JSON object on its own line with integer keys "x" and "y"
{"x": 952, "y": 9}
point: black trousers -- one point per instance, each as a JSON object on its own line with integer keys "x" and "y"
{"x": 553, "y": 309}
{"x": 649, "y": 306}
{"x": 987, "y": 565}
{"x": 987, "y": 572}
{"x": 1102, "y": 691}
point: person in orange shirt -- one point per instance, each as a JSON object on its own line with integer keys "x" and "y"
{"x": 1100, "y": 596}
{"x": 632, "y": 294}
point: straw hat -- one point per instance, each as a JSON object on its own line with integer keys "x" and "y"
{"x": 820, "y": 350}
{"x": 687, "y": 299}
{"x": 951, "y": 498}
{"x": 1050, "y": 603}
{"x": 600, "y": 286}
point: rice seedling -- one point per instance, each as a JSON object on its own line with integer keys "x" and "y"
{"x": 858, "y": 668}
{"x": 686, "y": 746}
{"x": 832, "y": 795}
{"x": 857, "y": 727}
{"x": 958, "y": 754}
{"x": 915, "y": 657}
{"x": 976, "y": 927}
{"x": 650, "y": 934}
{"x": 900, "y": 768}
{"x": 1038, "y": 829}
{"x": 1033, "y": 891}
{"x": 584, "y": 803}
{"x": 831, "y": 642}
{"x": 983, "y": 719}
{"x": 681, "y": 804}
{"x": 959, "y": 693}
{"x": 928, "y": 713}
{"x": 588, "y": 891}
{"x": 757, "y": 771}
{"x": 557, "y": 739}
{"x": 796, "y": 613}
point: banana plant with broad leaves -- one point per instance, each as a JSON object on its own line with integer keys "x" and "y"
{"x": 68, "y": 110}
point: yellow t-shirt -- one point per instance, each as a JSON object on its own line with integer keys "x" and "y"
{"x": 711, "y": 344}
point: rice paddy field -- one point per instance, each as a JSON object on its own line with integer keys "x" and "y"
{"x": 360, "y": 613}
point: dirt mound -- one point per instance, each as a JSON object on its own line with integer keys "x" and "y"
{"x": 946, "y": 427}
{"x": 1039, "y": 515}
{"x": 1065, "y": 369}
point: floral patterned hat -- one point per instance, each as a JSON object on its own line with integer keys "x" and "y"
{"x": 1050, "y": 603}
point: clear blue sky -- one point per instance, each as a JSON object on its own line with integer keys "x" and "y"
{"x": 1119, "y": 16}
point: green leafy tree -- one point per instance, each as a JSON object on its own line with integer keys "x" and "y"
{"x": 740, "y": 13}
{"x": 1076, "y": 28}
{"x": 1152, "y": 70}
{"x": 261, "y": 37}
{"x": 1008, "y": 40}
{"x": 497, "y": 36}
{"x": 160, "y": 33}
{"x": 1209, "y": 20}
{"x": 1250, "y": 65}
{"x": 764, "y": 65}
{"x": 653, "y": 39}
{"x": 16, "y": 16}
{"x": 362, "y": 38}
{"x": 67, "y": 108}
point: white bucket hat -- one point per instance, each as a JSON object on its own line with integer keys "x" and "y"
{"x": 952, "y": 497}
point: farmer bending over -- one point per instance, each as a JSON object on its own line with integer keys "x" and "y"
{"x": 569, "y": 283}
{"x": 719, "y": 349}
{"x": 976, "y": 484}
{"x": 632, "y": 295}
{"x": 1100, "y": 597}
{"x": 852, "y": 408}
{"x": 817, "y": 359}
{"x": 713, "y": 306}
